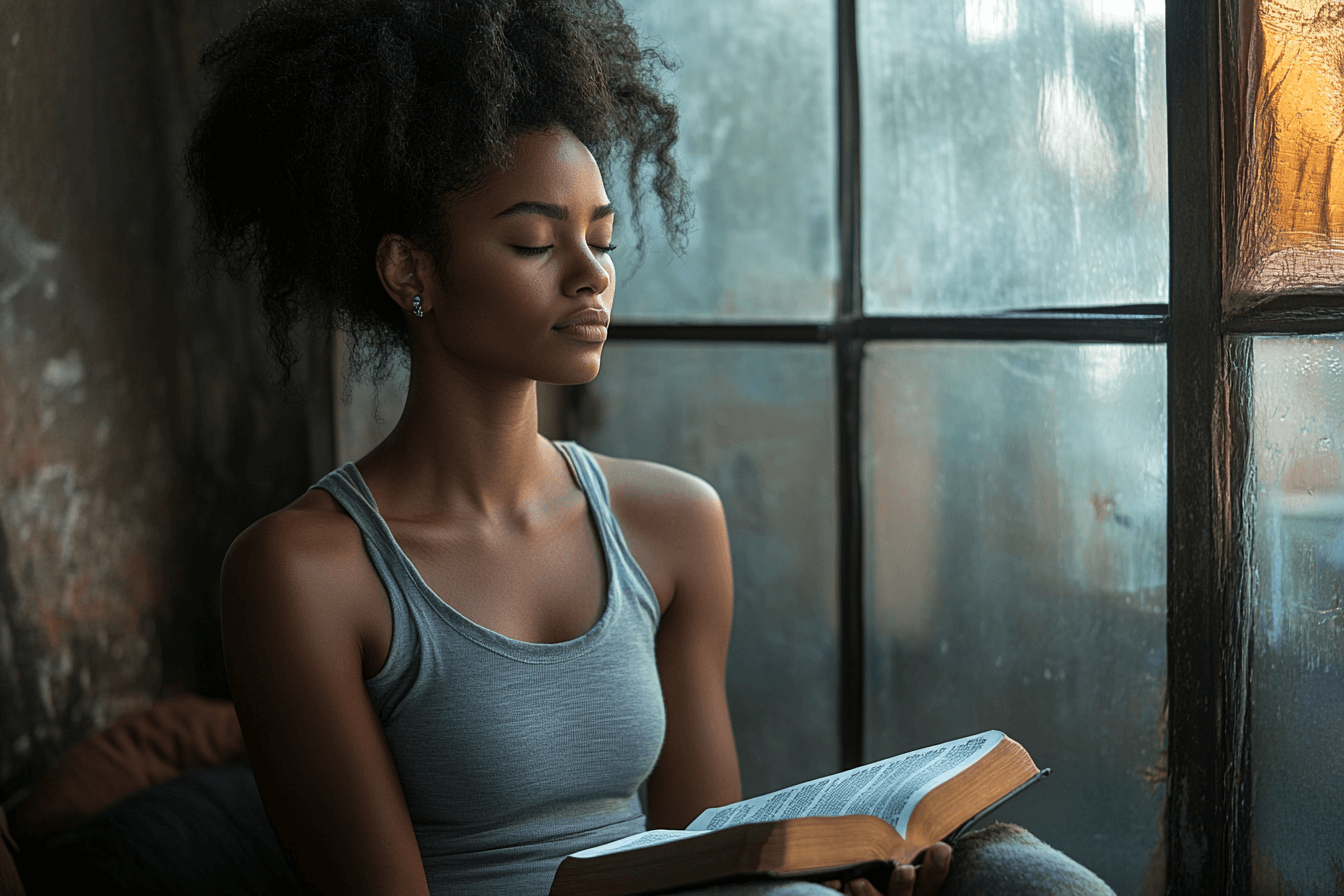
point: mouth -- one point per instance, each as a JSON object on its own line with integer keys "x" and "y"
{"x": 586, "y": 326}
{"x": 594, "y": 317}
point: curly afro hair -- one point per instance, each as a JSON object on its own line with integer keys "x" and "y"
{"x": 334, "y": 122}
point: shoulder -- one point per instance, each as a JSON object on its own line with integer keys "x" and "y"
{"x": 673, "y": 521}
{"x": 303, "y": 567}
{"x": 646, "y": 488}
{"x": 664, "y": 505}
{"x": 299, "y": 625}
{"x": 296, "y": 543}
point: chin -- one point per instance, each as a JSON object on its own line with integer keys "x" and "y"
{"x": 572, "y": 374}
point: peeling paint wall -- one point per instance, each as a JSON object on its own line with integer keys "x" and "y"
{"x": 140, "y": 427}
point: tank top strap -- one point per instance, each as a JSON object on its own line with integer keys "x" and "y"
{"x": 346, "y": 486}
{"x": 350, "y": 492}
{"x": 594, "y": 485}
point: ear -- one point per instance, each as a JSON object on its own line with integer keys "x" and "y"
{"x": 402, "y": 268}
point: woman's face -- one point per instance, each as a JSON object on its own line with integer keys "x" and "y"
{"x": 528, "y": 280}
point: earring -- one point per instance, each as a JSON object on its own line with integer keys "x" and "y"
{"x": 415, "y": 307}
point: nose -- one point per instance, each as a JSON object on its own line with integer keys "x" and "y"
{"x": 587, "y": 274}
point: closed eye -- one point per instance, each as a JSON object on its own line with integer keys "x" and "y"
{"x": 542, "y": 250}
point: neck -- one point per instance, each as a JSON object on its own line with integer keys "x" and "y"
{"x": 466, "y": 445}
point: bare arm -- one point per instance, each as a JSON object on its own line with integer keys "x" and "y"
{"x": 295, "y": 625}
{"x": 676, "y": 528}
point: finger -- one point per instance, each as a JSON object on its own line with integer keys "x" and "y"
{"x": 861, "y": 886}
{"x": 902, "y": 881}
{"x": 833, "y": 884}
{"x": 933, "y": 871}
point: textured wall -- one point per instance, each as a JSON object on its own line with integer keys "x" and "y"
{"x": 140, "y": 428}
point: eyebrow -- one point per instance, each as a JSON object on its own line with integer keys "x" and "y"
{"x": 551, "y": 211}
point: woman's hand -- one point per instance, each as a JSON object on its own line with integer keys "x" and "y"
{"x": 907, "y": 880}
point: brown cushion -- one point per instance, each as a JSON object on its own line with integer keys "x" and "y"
{"x": 140, "y": 749}
{"x": 10, "y": 885}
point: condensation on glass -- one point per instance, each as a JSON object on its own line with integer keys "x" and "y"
{"x": 756, "y": 90}
{"x": 1290, "y": 229}
{"x": 756, "y": 422}
{"x": 1014, "y": 154}
{"x": 1016, "y": 560}
{"x": 1297, "y": 581}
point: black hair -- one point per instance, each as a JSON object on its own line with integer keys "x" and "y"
{"x": 335, "y": 122}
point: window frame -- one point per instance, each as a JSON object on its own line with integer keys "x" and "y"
{"x": 1207, "y": 829}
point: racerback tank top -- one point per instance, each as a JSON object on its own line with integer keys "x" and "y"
{"x": 512, "y": 754}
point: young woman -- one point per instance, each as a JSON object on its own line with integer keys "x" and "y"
{"x": 457, "y": 660}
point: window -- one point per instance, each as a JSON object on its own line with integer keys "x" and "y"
{"x": 1257, "y": 520}
{"x": 948, "y": 418}
{"x": 918, "y": 345}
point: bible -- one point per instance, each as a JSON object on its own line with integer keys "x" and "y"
{"x": 859, "y": 822}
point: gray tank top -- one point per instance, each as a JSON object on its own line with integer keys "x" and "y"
{"x": 512, "y": 754}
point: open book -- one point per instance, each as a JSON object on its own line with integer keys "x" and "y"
{"x": 858, "y": 822}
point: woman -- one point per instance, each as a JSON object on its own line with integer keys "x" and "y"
{"x": 457, "y": 660}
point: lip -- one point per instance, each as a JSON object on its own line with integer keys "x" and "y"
{"x": 589, "y": 317}
{"x": 589, "y": 325}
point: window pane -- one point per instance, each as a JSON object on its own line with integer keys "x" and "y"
{"x": 1016, "y": 549}
{"x": 1292, "y": 206}
{"x": 756, "y": 422}
{"x": 757, "y": 99}
{"x": 1297, "y": 696}
{"x": 1014, "y": 154}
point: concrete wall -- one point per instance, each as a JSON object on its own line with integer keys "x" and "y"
{"x": 140, "y": 427}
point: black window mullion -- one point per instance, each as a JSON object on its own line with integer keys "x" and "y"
{"x": 848, "y": 351}
{"x": 1080, "y": 326}
{"x": 1306, "y": 312}
{"x": 1207, "y": 830}
{"x": 848, "y": 370}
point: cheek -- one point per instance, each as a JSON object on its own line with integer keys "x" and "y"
{"x": 610, "y": 294}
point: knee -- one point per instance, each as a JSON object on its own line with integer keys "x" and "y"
{"x": 1005, "y": 860}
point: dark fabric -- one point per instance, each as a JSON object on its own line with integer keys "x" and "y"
{"x": 140, "y": 749}
{"x": 10, "y": 884}
{"x": 204, "y": 833}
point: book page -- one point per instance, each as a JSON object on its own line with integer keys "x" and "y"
{"x": 635, "y": 841}
{"x": 889, "y": 789}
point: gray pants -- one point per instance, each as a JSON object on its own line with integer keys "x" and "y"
{"x": 1002, "y": 859}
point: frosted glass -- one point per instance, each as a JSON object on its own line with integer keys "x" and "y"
{"x": 1014, "y": 154}
{"x": 1291, "y": 228}
{"x": 757, "y": 96}
{"x": 1016, "y": 555}
{"x": 1298, "y": 585}
{"x": 757, "y": 422}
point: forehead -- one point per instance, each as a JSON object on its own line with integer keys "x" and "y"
{"x": 550, "y": 166}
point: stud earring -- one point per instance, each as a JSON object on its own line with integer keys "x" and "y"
{"x": 415, "y": 307}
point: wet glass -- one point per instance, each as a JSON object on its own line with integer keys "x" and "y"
{"x": 1297, "y": 581}
{"x": 756, "y": 89}
{"x": 1015, "y": 545}
{"x": 1014, "y": 154}
{"x": 1290, "y": 232}
{"x": 757, "y": 423}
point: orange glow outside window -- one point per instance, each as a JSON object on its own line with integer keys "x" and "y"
{"x": 1291, "y": 178}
